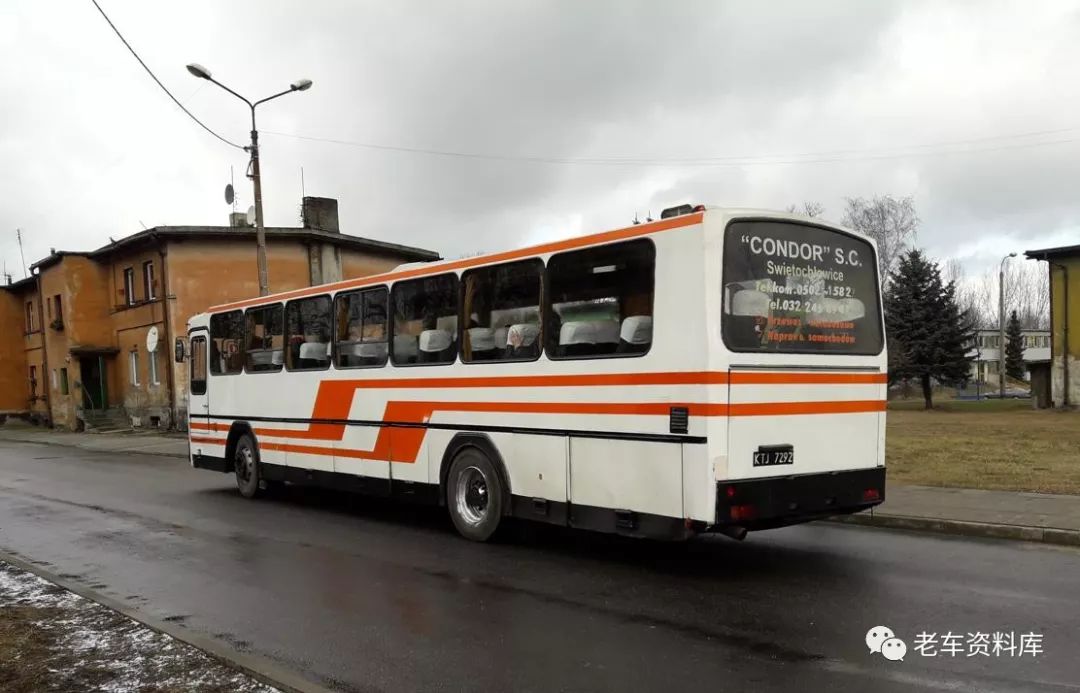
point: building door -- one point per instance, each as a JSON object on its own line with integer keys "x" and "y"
{"x": 94, "y": 390}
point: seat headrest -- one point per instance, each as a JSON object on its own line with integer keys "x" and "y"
{"x": 636, "y": 329}
{"x": 434, "y": 341}
{"x": 317, "y": 351}
{"x": 577, "y": 332}
{"x": 522, "y": 335}
{"x": 369, "y": 350}
{"x": 481, "y": 338}
{"x": 500, "y": 336}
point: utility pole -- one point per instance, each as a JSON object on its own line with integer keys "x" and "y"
{"x": 22, "y": 256}
{"x": 1001, "y": 323}
{"x": 260, "y": 232}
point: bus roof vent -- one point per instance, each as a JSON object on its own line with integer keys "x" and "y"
{"x": 681, "y": 210}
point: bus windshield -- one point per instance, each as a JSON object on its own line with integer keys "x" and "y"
{"x": 797, "y": 288}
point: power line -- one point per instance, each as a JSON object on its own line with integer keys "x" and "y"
{"x": 901, "y": 152}
{"x": 151, "y": 73}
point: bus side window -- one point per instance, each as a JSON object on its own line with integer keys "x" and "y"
{"x": 361, "y": 328}
{"x": 425, "y": 320}
{"x": 263, "y": 339}
{"x": 307, "y": 334}
{"x": 226, "y": 338}
{"x": 503, "y": 305}
{"x": 198, "y": 366}
{"x": 600, "y": 301}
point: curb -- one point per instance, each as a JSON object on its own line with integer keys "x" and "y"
{"x": 257, "y": 667}
{"x": 1045, "y": 535}
{"x": 65, "y": 444}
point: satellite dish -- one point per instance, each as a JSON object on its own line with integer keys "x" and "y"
{"x": 152, "y": 340}
{"x": 251, "y": 216}
{"x": 229, "y": 194}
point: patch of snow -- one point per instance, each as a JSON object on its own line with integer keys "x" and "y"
{"x": 139, "y": 657}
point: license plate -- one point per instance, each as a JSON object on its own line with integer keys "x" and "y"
{"x": 770, "y": 455}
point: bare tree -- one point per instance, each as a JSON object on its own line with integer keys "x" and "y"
{"x": 968, "y": 296}
{"x": 808, "y": 208}
{"x": 1027, "y": 291}
{"x": 890, "y": 221}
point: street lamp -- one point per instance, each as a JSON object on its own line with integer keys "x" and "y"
{"x": 260, "y": 232}
{"x": 1001, "y": 322}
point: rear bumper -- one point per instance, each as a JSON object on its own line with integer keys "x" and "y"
{"x": 780, "y": 501}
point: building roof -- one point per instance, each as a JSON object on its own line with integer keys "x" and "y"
{"x": 1052, "y": 252}
{"x": 160, "y": 233}
{"x": 27, "y": 282}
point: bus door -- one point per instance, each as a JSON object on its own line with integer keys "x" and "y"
{"x": 198, "y": 394}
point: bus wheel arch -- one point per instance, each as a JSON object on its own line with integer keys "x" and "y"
{"x": 485, "y": 446}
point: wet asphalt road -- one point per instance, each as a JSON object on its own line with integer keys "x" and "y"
{"x": 370, "y": 596}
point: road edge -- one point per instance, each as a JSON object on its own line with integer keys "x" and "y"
{"x": 257, "y": 667}
{"x": 75, "y": 445}
{"x": 1044, "y": 535}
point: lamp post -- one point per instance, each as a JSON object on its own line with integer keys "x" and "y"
{"x": 260, "y": 232}
{"x": 1001, "y": 323}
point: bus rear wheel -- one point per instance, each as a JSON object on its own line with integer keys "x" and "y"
{"x": 474, "y": 495}
{"x": 246, "y": 466}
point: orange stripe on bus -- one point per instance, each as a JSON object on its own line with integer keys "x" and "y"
{"x": 204, "y": 439}
{"x": 402, "y": 444}
{"x": 554, "y": 247}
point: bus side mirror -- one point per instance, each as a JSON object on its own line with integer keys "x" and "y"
{"x": 180, "y": 349}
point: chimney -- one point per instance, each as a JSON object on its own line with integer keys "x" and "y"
{"x": 320, "y": 213}
{"x": 238, "y": 220}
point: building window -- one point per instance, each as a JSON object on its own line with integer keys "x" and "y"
{"x": 63, "y": 381}
{"x": 133, "y": 364}
{"x": 151, "y": 363}
{"x": 425, "y": 320}
{"x": 503, "y": 305}
{"x": 361, "y": 319}
{"x": 57, "y": 313}
{"x": 29, "y": 317}
{"x": 264, "y": 339}
{"x": 149, "y": 283}
{"x": 600, "y": 301}
{"x": 198, "y": 366}
{"x": 129, "y": 286}
{"x": 307, "y": 334}
{"x": 33, "y": 382}
{"x": 54, "y": 381}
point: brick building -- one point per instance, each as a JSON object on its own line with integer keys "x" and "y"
{"x": 74, "y": 346}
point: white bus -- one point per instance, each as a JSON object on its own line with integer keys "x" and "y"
{"x": 716, "y": 370}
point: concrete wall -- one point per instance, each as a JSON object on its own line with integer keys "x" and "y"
{"x": 83, "y": 288}
{"x": 355, "y": 264}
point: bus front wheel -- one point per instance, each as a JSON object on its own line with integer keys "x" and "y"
{"x": 246, "y": 466}
{"x": 474, "y": 495}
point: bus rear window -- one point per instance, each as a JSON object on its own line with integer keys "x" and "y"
{"x": 796, "y": 288}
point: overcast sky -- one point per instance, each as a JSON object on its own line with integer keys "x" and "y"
{"x": 761, "y": 95}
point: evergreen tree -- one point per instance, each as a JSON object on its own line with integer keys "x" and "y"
{"x": 928, "y": 332}
{"x": 1014, "y": 348}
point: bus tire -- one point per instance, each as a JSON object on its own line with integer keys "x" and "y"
{"x": 474, "y": 495}
{"x": 246, "y": 466}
